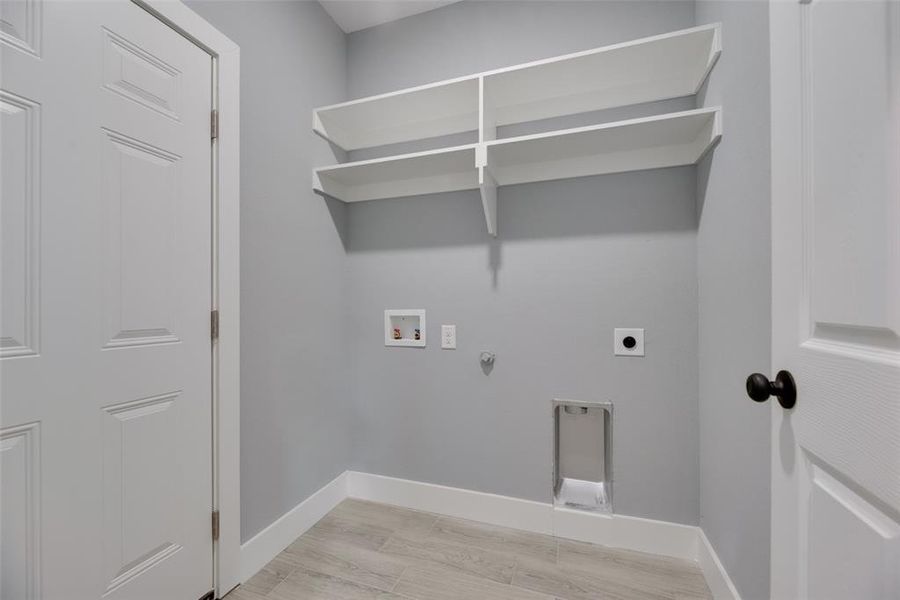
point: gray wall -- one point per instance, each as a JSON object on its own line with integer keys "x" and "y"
{"x": 734, "y": 277}
{"x": 473, "y": 36}
{"x": 574, "y": 259}
{"x": 294, "y": 394}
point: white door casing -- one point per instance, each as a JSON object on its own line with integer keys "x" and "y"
{"x": 836, "y": 298}
{"x": 106, "y": 216}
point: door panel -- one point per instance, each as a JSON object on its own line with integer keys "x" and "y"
{"x": 20, "y": 25}
{"x": 106, "y": 293}
{"x": 140, "y": 76}
{"x": 20, "y": 226}
{"x": 20, "y": 511}
{"x": 141, "y": 232}
{"x": 836, "y": 298}
{"x": 843, "y": 519}
{"x": 851, "y": 164}
{"x": 138, "y": 527}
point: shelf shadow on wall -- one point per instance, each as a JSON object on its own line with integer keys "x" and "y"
{"x": 339, "y": 216}
{"x": 704, "y": 168}
{"x": 637, "y": 204}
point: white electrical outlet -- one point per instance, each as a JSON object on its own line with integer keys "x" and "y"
{"x": 448, "y": 337}
{"x": 628, "y": 342}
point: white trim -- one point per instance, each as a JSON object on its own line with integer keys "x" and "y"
{"x": 717, "y": 578}
{"x": 268, "y": 543}
{"x": 619, "y": 531}
{"x": 526, "y": 515}
{"x": 228, "y": 418}
{"x": 633, "y": 533}
{"x": 177, "y": 14}
{"x": 226, "y": 280}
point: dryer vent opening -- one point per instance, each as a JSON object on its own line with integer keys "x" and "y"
{"x": 582, "y": 455}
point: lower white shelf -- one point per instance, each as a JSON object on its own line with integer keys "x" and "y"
{"x": 669, "y": 140}
{"x": 430, "y": 172}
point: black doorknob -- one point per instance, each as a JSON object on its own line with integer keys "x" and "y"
{"x": 759, "y": 388}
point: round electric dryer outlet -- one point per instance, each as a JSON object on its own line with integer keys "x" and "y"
{"x": 628, "y": 342}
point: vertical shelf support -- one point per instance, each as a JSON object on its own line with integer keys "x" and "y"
{"x": 488, "y": 188}
{"x": 487, "y": 185}
{"x": 487, "y": 124}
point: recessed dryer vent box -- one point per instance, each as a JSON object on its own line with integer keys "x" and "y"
{"x": 408, "y": 322}
{"x": 582, "y": 455}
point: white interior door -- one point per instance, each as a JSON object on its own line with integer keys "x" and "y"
{"x": 106, "y": 289}
{"x": 836, "y": 298}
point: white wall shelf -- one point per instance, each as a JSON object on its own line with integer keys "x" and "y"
{"x": 433, "y": 171}
{"x": 654, "y": 68}
{"x": 667, "y": 140}
{"x": 432, "y": 110}
{"x": 664, "y": 66}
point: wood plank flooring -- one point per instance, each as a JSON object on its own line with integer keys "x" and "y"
{"x": 366, "y": 551}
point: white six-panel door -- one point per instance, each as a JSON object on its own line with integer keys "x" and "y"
{"x": 836, "y": 298}
{"x": 105, "y": 339}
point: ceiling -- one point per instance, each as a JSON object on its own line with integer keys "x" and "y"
{"x": 353, "y": 15}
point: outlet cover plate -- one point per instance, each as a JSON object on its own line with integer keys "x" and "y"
{"x": 619, "y": 347}
{"x": 448, "y": 337}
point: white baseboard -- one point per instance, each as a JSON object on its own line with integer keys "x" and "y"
{"x": 631, "y": 533}
{"x": 645, "y": 535}
{"x": 619, "y": 531}
{"x": 717, "y": 578}
{"x": 452, "y": 502}
{"x": 268, "y": 543}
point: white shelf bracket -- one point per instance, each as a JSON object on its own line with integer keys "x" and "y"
{"x": 487, "y": 185}
{"x": 488, "y": 188}
{"x": 487, "y": 127}
{"x": 326, "y": 188}
{"x": 318, "y": 127}
{"x": 317, "y": 184}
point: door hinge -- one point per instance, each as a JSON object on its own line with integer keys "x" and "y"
{"x": 214, "y": 124}
{"x": 214, "y": 325}
{"x": 215, "y": 525}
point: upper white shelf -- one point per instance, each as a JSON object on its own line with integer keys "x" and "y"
{"x": 433, "y": 110}
{"x": 654, "y": 68}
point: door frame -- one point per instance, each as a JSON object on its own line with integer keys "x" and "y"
{"x": 226, "y": 57}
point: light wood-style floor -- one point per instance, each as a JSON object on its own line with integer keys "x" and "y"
{"x": 362, "y": 551}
